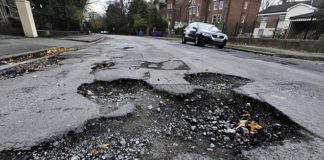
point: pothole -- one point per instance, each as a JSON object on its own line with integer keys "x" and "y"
{"x": 215, "y": 122}
{"x": 166, "y": 65}
{"x": 102, "y": 66}
{"x": 28, "y": 68}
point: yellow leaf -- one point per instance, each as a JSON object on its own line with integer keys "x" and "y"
{"x": 246, "y": 115}
{"x": 242, "y": 123}
{"x": 254, "y": 127}
{"x": 104, "y": 146}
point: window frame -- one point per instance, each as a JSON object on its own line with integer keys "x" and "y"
{"x": 246, "y": 5}
{"x": 216, "y": 5}
{"x": 221, "y": 5}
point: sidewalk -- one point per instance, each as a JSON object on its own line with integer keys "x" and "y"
{"x": 278, "y": 52}
{"x": 11, "y": 46}
{"x": 267, "y": 51}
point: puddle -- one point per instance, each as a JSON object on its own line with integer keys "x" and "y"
{"x": 207, "y": 122}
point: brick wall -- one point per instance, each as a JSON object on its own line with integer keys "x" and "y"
{"x": 230, "y": 14}
{"x": 228, "y": 18}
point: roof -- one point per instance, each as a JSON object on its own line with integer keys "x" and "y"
{"x": 318, "y": 15}
{"x": 308, "y": 15}
{"x": 282, "y": 7}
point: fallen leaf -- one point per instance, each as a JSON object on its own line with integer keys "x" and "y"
{"x": 175, "y": 144}
{"x": 90, "y": 93}
{"x": 246, "y": 115}
{"x": 104, "y": 146}
{"x": 242, "y": 123}
{"x": 93, "y": 97}
{"x": 254, "y": 127}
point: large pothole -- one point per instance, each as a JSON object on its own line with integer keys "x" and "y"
{"x": 215, "y": 122}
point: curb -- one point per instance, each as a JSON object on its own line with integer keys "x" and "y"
{"x": 311, "y": 58}
{"x": 49, "y": 52}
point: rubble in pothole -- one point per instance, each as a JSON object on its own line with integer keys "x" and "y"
{"x": 27, "y": 68}
{"x": 215, "y": 122}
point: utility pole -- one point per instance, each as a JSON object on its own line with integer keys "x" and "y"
{"x": 26, "y": 17}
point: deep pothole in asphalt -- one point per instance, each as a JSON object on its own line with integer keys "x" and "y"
{"x": 27, "y": 68}
{"x": 214, "y": 122}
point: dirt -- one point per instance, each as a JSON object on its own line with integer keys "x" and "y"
{"x": 164, "y": 126}
{"x": 27, "y": 68}
{"x": 25, "y": 57}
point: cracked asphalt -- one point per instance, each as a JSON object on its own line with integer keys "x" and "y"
{"x": 45, "y": 105}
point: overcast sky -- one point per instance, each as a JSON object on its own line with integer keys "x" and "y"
{"x": 98, "y": 6}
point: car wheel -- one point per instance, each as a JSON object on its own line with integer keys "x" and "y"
{"x": 183, "y": 40}
{"x": 221, "y": 46}
{"x": 197, "y": 43}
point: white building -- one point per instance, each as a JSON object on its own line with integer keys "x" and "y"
{"x": 279, "y": 16}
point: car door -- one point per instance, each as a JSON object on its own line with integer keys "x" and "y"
{"x": 186, "y": 31}
{"x": 190, "y": 32}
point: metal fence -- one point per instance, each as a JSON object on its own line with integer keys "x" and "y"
{"x": 308, "y": 26}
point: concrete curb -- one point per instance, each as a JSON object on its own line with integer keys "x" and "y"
{"x": 311, "y": 58}
{"x": 56, "y": 50}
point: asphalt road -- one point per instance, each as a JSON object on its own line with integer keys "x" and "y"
{"x": 36, "y": 109}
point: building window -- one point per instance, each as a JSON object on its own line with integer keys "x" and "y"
{"x": 246, "y": 4}
{"x": 217, "y": 18}
{"x": 169, "y": 15}
{"x": 209, "y": 7}
{"x": 282, "y": 17}
{"x": 243, "y": 18}
{"x": 221, "y": 5}
{"x": 194, "y": 9}
{"x": 198, "y": 10}
{"x": 264, "y": 18}
{"x": 170, "y": 6}
{"x": 215, "y": 5}
{"x": 193, "y": 2}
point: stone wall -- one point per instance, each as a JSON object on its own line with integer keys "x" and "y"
{"x": 298, "y": 45}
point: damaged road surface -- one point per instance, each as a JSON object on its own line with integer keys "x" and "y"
{"x": 121, "y": 100}
{"x": 142, "y": 123}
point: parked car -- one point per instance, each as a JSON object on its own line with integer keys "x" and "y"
{"x": 204, "y": 33}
